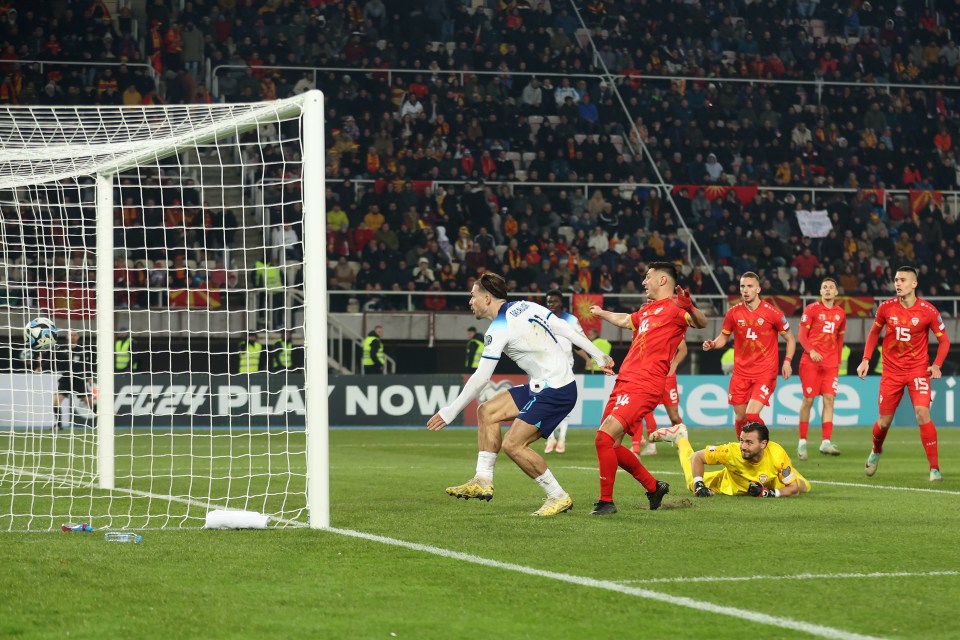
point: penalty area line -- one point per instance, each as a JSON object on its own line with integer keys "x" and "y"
{"x": 798, "y": 576}
{"x": 817, "y": 630}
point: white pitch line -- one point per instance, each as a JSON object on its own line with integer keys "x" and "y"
{"x": 798, "y": 576}
{"x": 814, "y": 481}
{"x": 820, "y": 631}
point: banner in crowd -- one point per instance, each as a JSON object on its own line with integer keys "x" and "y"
{"x": 267, "y": 401}
{"x": 745, "y": 194}
{"x": 581, "y": 308}
{"x": 198, "y": 298}
{"x": 857, "y": 306}
{"x": 67, "y": 301}
{"x": 919, "y": 199}
{"x": 814, "y": 224}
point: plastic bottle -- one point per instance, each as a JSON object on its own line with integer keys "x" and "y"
{"x": 122, "y": 536}
{"x": 71, "y": 526}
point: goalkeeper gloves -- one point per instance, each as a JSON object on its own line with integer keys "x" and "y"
{"x": 701, "y": 490}
{"x": 757, "y": 490}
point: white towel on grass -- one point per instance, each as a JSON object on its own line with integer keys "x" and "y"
{"x": 230, "y": 519}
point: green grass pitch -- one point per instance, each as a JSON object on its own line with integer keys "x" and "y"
{"x": 849, "y": 560}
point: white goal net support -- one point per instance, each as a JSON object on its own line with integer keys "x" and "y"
{"x": 180, "y": 251}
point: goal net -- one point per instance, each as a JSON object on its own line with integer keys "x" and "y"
{"x": 180, "y": 251}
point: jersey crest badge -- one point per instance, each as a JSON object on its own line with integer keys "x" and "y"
{"x": 760, "y": 321}
{"x": 915, "y": 321}
{"x": 762, "y": 478}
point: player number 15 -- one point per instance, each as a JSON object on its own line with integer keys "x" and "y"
{"x": 903, "y": 334}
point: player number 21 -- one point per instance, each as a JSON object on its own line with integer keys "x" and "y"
{"x": 903, "y": 334}
{"x": 829, "y": 326}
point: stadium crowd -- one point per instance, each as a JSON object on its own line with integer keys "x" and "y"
{"x": 451, "y": 106}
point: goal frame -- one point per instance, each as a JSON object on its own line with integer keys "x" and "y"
{"x": 309, "y": 106}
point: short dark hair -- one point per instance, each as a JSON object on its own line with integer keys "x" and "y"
{"x": 555, "y": 292}
{"x": 751, "y": 274}
{"x": 665, "y": 267}
{"x": 759, "y": 428}
{"x": 829, "y": 279}
{"x": 494, "y": 284}
{"x": 474, "y": 329}
{"x": 909, "y": 269}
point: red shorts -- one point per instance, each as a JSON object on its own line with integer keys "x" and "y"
{"x": 630, "y": 402}
{"x": 818, "y": 380}
{"x": 671, "y": 397}
{"x": 743, "y": 390}
{"x": 891, "y": 391}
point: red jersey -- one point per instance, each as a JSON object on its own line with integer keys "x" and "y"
{"x": 906, "y": 342}
{"x": 756, "y": 355}
{"x": 658, "y": 328}
{"x": 825, "y": 328}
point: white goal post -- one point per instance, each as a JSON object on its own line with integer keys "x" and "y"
{"x": 181, "y": 252}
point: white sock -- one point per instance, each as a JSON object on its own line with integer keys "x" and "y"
{"x": 550, "y": 485}
{"x": 561, "y": 431}
{"x": 802, "y": 441}
{"x": 485, "y": 462}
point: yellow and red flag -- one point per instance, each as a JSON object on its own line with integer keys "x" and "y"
{"x": 581, "y": 308}
{"x": 920, "y": 199}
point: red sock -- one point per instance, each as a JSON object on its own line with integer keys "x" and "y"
{"x": 928, "y": 436}
{"x": 827, "y": 429}
{"x": 804, "y": 429}
{"x": 632, "y": 465}
{"x": 753, "y": 417}
{"x": 738, "y": 425}
{"x": 651, "y": 422}
{"x": 879, "y": 435}
{"x": 607, "y": 461}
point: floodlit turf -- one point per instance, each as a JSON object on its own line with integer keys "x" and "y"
{"x": 804, "y": 561}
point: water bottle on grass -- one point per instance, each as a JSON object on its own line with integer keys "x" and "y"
{"x": 122, "y": 536}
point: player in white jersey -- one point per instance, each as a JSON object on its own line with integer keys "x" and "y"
{"x": 529, "y": 334}
{"x": 558, "y": 439}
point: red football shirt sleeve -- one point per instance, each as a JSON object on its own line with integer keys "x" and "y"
{"x": 635, "y": 320}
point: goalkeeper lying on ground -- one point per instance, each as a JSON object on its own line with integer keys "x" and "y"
{"x": 754, "y": 466}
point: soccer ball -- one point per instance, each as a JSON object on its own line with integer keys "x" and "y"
{"x": 40, "y": 334}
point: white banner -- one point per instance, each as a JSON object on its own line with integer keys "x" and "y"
{"x": 814, "y": 224}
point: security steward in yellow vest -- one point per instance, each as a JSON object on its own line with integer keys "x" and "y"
{"x": 269, "y": 279}
{"x": 249, "y": 355}
{"x": 601, "y": 343}
{"x": 282, "y": 356}
{"x": 123, "y": 360}
{"x": 844, "y": 360}
{"x": 373, "y": 351}
{"x": 474, "y": 350}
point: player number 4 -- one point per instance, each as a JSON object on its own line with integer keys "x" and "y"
{"x": 903, "y": 334}
{"x": 751, "y": 334}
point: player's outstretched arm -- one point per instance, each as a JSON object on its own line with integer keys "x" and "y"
{"x": 697, "y": 465}
{"x": 717, "y": 343}
{"x": 621, "y": 320}
{"x": 480, "y": 377}
{"x": 561, "y": 328}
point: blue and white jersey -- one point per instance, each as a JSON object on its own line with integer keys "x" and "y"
{"x": 521, "y": 331}
{"x": 574, "y": 323}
